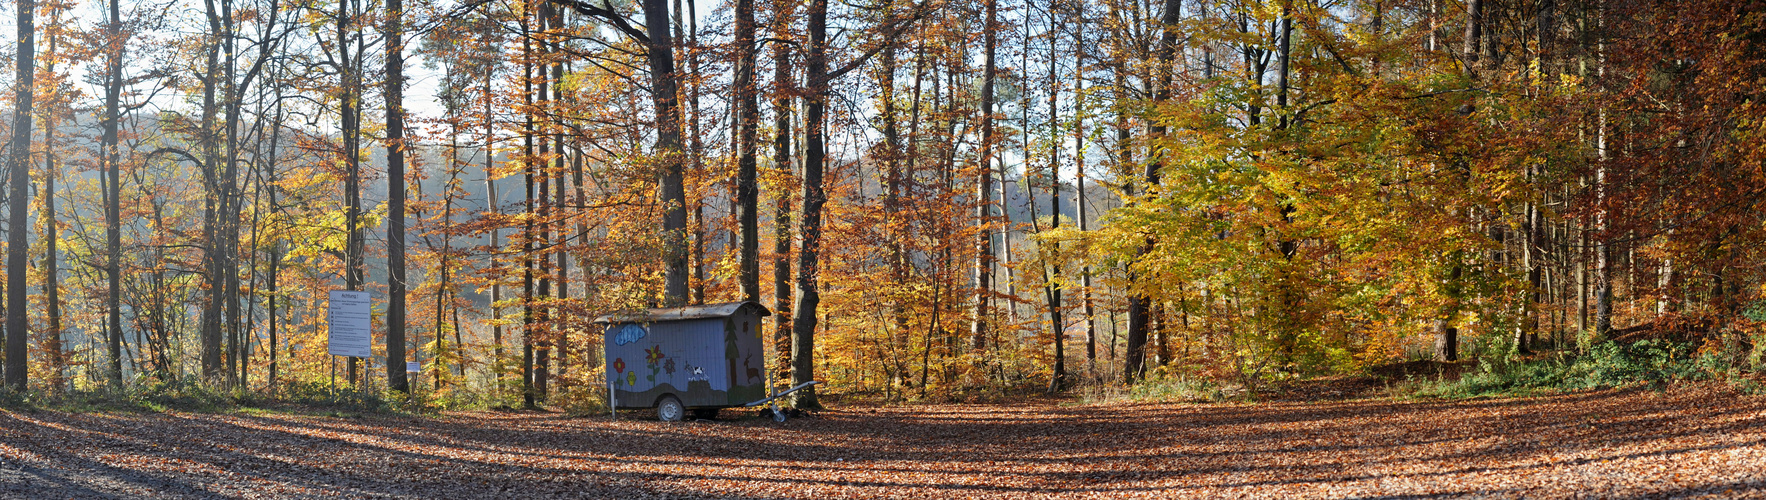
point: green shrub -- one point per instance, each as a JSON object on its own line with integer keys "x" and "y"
{"x": 146, "y": 393}
{"x": 1608, "y": 364}
{"x": 317, "y": 393}
{"x": 11, "y": 399}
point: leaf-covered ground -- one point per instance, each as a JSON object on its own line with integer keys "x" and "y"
{"x": 1687, "y": 441}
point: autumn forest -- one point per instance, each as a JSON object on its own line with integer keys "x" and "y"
{"x": 936, "y": 199}
{"x": 962, "y": 249}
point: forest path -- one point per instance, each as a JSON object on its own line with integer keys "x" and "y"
{"x": 1687, "y": 441}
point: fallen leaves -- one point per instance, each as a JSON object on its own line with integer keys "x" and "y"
{"x": 1687, "y": 441}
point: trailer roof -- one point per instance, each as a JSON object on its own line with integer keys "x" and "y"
{"x": 705, "y": 311}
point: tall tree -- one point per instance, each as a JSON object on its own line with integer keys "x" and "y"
{"x": 747, "y": 192}
{"x": 19, "y": 163}
{"x": 665, "y": 97}
{"x": 817, "y": 80}
{"x": 395, "y": 197}
{"x": 493, "y": 203}
{"x": 1289, "y": 328}
{"x": 350, "y": 105}
{"x": 1447, "y": 344}
{"x": 784, "y": 89}
{"x": 1080, "y": 201}
{"x": 1139, "y": 303}
{"x": 51, "y": 267}
{"x": 110, "y": 180}
{"x": 558, "y": 340}
{"x": 1051, "y": 269}
{"x": 529, "y": 131}
{"x": 809, "y": 297}
{"x": 984, "y": 260}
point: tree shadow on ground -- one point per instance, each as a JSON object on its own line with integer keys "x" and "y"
{"x": 957, "y": 450}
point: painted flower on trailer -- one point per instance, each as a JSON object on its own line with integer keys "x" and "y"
{"x": 631, "y": 378}
{"x": 619, "y": 365}
{"x": 653, "y": 354}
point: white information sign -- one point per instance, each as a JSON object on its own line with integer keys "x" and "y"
{"x": 351, "y": 324}
{"x": 413, "y": 366}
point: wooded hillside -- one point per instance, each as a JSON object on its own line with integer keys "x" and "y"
{"x": 935, "y": 198}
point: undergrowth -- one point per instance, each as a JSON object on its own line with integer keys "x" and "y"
{"x": 1161, "y": 386}
{"x": 1651, "y": 363}
{"x": 155, "y": 395}
{"x": 150, "y": 394}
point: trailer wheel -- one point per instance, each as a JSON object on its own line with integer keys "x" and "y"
{"x": 669, "y": 409}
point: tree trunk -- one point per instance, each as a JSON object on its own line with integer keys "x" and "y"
{"x": 747, "y": 192}
{"x": 227, "y": 246}
{"x": 665, "y": 96}
{"x": 1447, "y": 345}
{"x": 444, "y": 289}
{"x": 1535, "y": 277}
{"x": 494, "y": 206}
{"x": 51, "y": 269}
{"x": 1290, "y": 298}
{"x": 395, "y": 198}
{"x": 668, "y": 150}
{"x": 528, "y": 133}
{"x": 784, "y": 86}
{"x": 695, "y": 139}
{"x": 1474, "y": 30}
{"x": 1139, "y": 304}
{"x": 275, "y": 272}
{"x": 1603, "y": 251}
{"x": 1091, "y": 333}
{"x": 213, "y": 262}
{"x": 984, "y": 191}
{"x": 19, "y": 161}
{"x": 543, "y": 328}
{"x": 1052, "y": 269}
{"x": 892, "y": 183}
{"x": 110, "y": 179}
{"x": 352, "y": 112}
{"x": 808, "y": 262}
{"x": 559, "y": 341}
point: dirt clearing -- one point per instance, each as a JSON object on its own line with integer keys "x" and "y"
{"x": 1688, "y": 441}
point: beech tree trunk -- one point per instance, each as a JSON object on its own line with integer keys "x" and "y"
{"x": 528, "y": 132}
{"x": 809, "y": 297}
{"x": 668, "y": 149}
{"x": 979, "y": 330}
{"x": 1139, "y": 304}
{"x": 51, "y": 268}
{"x": 747, "y": 192}
{"x": 110, "y": 179}
{"x": 1085, "y": 290}
{"x": 19, "y": 163}
{"x": 395, "y": 198}
{"x": 352, "y": 134}
{"x": 1052, "y": 271}
{"x": 495, "y": 206}
{"x": 784, "y": 85}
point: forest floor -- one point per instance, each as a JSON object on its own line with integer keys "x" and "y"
{"x": 1688, "y": 440}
